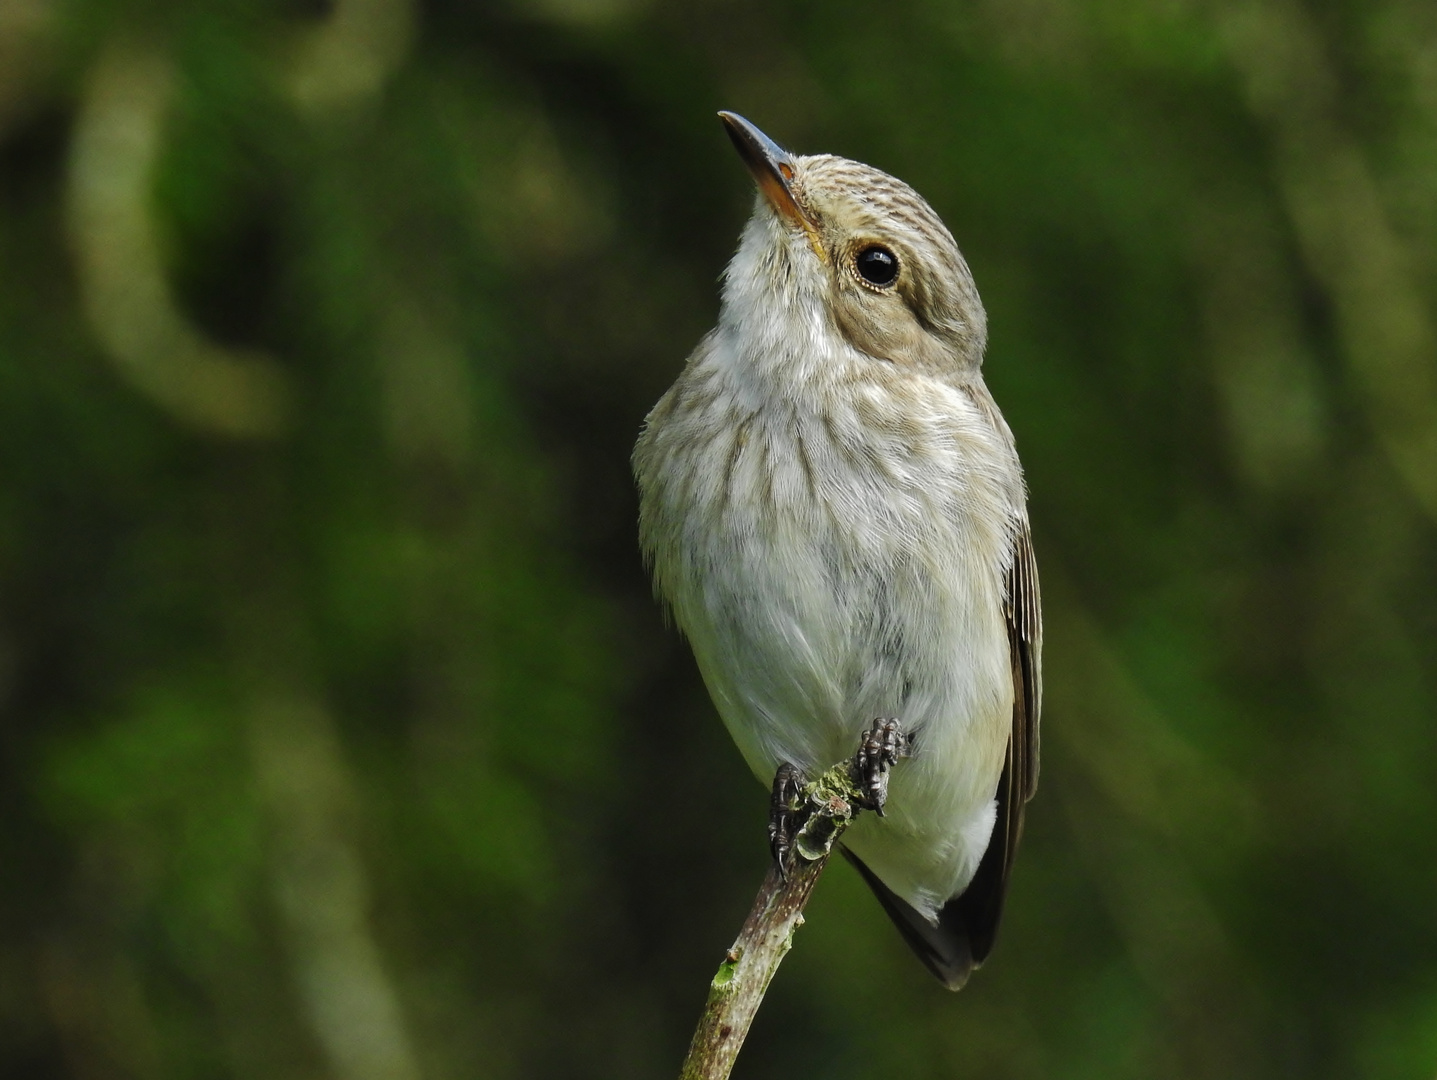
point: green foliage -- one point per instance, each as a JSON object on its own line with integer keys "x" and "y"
{"x": 339, "y": 734}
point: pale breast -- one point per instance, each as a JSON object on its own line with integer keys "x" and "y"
{"x": 831, "y": 564}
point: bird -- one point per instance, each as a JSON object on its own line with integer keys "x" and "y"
{"x": 833, "y": 511}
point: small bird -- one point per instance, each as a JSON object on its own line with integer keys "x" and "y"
{"x": 833, "y": 509}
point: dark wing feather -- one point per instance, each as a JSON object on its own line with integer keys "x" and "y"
{"x": 1025, "y": 636}
{"x": 968, "y": 924}
{"x": 981, "y": 904}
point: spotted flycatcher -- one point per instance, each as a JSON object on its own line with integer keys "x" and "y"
{"x": 833, "y": 508}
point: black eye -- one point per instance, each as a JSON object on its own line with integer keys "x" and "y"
{"x": 877, "y": 265}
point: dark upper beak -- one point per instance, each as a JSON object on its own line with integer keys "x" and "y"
{"x": 771, "y": 165}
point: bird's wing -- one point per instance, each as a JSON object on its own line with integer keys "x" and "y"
{"x": 1024, "y": 615}
{"x": 968, "y": 924}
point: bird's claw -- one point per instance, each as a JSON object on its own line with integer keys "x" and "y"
{"x": 783, "y": 813}
{"x": 883, "y": 744}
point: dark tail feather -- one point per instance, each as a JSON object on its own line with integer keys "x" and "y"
{"x": 966, "y": 925}
{"x": 945, "y": 949}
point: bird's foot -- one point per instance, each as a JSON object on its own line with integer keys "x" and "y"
{"x": 801, "y": 815}
{"x": 784, "y": 810}
{"x": 882, "y": 746}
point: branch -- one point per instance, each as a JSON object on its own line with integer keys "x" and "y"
{"x": 832, "y": 802}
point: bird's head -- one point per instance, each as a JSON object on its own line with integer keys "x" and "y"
{"x": 835, "y": 246}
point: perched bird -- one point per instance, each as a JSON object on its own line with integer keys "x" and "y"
{"x": 833, "y": 508}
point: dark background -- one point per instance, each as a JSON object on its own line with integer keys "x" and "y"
{"x": 339, "y": 735}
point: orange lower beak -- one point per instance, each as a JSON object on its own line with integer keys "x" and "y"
{"x": 771, "y": 166}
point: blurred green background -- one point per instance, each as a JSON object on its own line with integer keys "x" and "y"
{"x": 339, "y": 735}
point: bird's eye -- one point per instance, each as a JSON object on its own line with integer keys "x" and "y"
{"x": 877, "y": 265}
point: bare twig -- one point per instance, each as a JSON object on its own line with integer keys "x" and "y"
{"x": 832, "y": 802}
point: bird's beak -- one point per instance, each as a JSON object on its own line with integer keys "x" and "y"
{"x": 771, "y": 165}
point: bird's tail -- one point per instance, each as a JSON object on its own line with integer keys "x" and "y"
{"x": 956, "y": 945}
